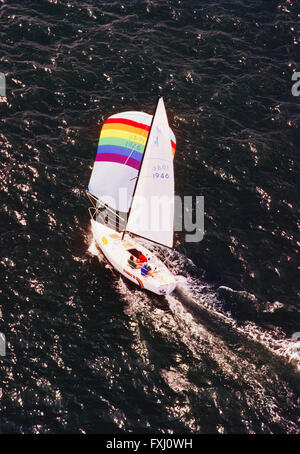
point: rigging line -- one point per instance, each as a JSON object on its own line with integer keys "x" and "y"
{"x": 128, "y": 157}
{"x": 103, "y": 204}
{"x": 167, "y": 258}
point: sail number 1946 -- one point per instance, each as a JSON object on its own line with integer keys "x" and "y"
{"x": 160, "y": 171}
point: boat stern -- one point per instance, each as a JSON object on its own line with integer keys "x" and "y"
{"x": 166, "y": 289}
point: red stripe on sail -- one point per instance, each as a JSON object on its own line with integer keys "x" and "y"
{"x": 128, "y": 122}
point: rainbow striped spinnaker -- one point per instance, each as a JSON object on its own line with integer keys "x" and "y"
{"x": 120, "y": 150}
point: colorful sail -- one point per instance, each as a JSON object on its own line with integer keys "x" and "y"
{"x": 119, "y": 155}
{"x": 152, "y": 212}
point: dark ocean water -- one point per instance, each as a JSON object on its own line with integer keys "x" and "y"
{"x": 87, "y": 351}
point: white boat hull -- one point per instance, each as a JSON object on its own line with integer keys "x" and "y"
{"x": 160, "y": 281}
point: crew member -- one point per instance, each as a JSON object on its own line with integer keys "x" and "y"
{"x": 132, "y": 262}
{"x": 142, "y": 258}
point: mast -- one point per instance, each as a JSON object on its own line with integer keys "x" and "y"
{"x": 137, "y": 178}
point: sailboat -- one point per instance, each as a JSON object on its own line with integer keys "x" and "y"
{"x": 132, "y": 191}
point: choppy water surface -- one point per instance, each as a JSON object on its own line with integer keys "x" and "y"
{"x": 86, "y": 350}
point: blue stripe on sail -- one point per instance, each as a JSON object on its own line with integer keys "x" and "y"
{"x": 120, "y": 150}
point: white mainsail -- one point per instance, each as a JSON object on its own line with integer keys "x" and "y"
{"x": 152, "y": 212}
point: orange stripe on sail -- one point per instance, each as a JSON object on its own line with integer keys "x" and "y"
{"x": 126, "y": 128}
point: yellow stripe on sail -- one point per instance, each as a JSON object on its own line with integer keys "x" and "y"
{"x": 128, "y": 128}
{"x": 123, "y": 135}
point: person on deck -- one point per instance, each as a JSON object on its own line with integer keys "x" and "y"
{"x": 131, "y": 262}
{"x": 142, "y": 258}
{"x": 146, "y": 270}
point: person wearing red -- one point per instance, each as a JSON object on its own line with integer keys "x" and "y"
{"x": 142, "y": 258}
